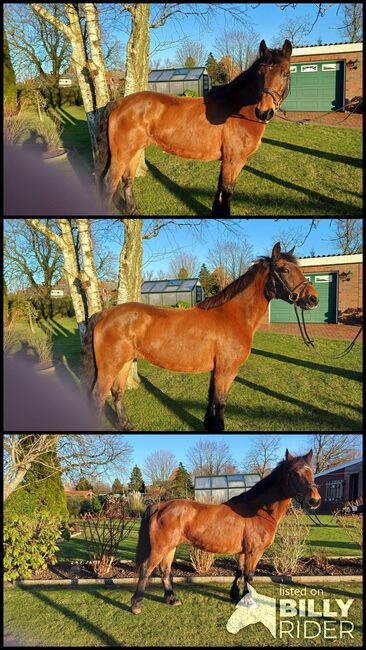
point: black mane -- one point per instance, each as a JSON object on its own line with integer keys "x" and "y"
{"x": 268, "y": 481}
{"x": 273, "y": 57}
{"x": 241, "y": 283}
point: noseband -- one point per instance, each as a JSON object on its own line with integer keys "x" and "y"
{"x": 277, "y": 98}
{"x": 293, "y": 294}
{"x": 301, "y": 497}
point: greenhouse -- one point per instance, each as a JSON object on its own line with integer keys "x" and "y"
{"x": 217, "y": 489}
{"x": 167, "y": 293}
{"x": 175, "y": 81}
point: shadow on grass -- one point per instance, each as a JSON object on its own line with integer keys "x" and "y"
{"x": 173, "y": 406}
{"x": 80, "y": 620}
{"x": 179, "y": 191}
{"x": 331, "y": 370}
{"x": 309, "y": 410}
{"x": 334, "y": 157}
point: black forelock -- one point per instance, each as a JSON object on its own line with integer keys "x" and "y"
{"x": 273, "y": 57}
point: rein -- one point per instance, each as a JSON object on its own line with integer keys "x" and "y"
{"x": 293, "y": 297}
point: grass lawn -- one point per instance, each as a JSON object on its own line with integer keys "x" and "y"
{"x": 282, "y": 387}
{"x": 330, "y": 540}
{"x": 92, "y": 616}
{"x": 299, "y": 170}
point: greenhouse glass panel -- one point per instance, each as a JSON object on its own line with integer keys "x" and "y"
{"x": 203, "y": 482}
{"x": 169, "y": 299}
{"x": 194, "y": 74}
{"x": 251, "y": 479}
{"x": 153, "y": 76}
{"x": 203, "y": 495}
{"x": 235, "y": 484}
{"x": 165, "y": 75}
{"x": 233, "y": 492}
{"x": 218, "y": 481}
{"x": 187, "y": 285}
{"x": 235, "y": 477}
{"x": 155, "y": 299}
{"x": 218, "y": 496}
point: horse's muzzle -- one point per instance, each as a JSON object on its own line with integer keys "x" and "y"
{"x": 264, "y": 116}
{"x": 309, "y": 302}
{"x": 314, "y": 503}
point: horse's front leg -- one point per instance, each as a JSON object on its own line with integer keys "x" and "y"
{"x": 230, "y": 169}
{"x": 220, "y": 384}
{"x": 250, "y": 564}
{"x": 235, "y": 588}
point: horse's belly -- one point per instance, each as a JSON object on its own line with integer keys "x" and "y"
{"x": 170, "y": 362}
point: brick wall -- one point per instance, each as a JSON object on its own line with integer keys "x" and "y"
{"x": 353, "y": 76}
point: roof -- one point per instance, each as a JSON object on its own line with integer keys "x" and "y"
{"x": 338, "y": 467}
{"x": 218, "y": 481}
{"x": 177, "y": 74}
{"x": 328, "y": 48}
{"x": 169, "y": 286}
{"x": 324, "y": 44}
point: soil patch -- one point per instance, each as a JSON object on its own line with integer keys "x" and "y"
{"x": 320, "y": 566}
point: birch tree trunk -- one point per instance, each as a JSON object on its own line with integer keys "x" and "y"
{"x": 89, "y": 274}
{"x": 91, "y": 74}
{"x": 67, "y": 246}
{"x": 137, "y": 57}
{"x": 129, "y": 276}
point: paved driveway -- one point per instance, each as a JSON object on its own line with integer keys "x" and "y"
{"x": 318, "y": 330}
{"x": 343, "y": 119}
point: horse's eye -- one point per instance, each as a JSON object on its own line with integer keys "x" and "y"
{"x": 284, "y": 270}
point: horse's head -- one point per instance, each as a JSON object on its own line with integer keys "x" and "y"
{"x": 273, "y": 78}
{"x": 287, "y": 282}
{"x": 300, "y": 480}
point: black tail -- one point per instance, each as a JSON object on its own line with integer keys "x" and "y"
{"x": 143, "y": 545}
{"x": 102, "y": 159}
{"x": 88, "y": 365}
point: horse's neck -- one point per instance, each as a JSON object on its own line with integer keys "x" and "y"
{"x": 252, "y": 302}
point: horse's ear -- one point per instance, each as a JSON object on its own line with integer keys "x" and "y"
{"x": 289, "y": 456}
{"x": 263, "y": 49}
{"x": 276, "y": 252}
{"x": 308, "y": 456}
{"x": 291, "y": 251}
{"x": 287, "y": 48}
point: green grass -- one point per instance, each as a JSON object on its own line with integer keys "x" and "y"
{"x": 282, "y": 387}
{"x": 330, "y": 540}
{"x": 101, "y": 617}
{"x": 307, "y": 170}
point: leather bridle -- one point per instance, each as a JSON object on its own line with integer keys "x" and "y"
{"x": 301, "y": 497}
{"x": 277, "y": 98}
{"x": 294, "y": 294}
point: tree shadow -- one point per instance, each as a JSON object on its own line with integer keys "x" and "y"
{"x": 339, "y": 158}
{"x": 172, "y": 405}
{"x": 178, "y": 191}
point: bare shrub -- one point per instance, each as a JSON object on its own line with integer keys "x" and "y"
{"x": 353, "y": 527}
{"x": 290, "y": 542}
{"x": 43, "y": 345}
{"x": 10, "y": 337}
{"x": 104, "y": 532}
{"x": 202, "y": 561}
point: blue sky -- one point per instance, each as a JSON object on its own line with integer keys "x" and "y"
{"x": 260, "y": 233}
{"x": 145, "y": 444}
{"x": 264, "y": 18}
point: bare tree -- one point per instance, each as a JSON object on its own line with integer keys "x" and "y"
{"x": 348, "y": 237}
{"x": 94, "y": 452}
{"x": 209, "y": 457}
{"x": 262, "y": 455}
{"x": 241, "y": 45}
{"x": 352, "y": 21}
{"x": 234, "y": 257}
{"x": 185, "y": 261}
{"x": 296, "y": 29}
{"x": 289, "y": 237}
{"x": 331, "y": 449}
{"x": 191, "y": 49}
{"x": 159, "y": 465}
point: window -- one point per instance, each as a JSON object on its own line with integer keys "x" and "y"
{"x": 309, "y": 68}
{"x": 174, "y": 283}
{"x": 323, "y": 278}
{"x": 328, "y": 67}
{"x": 293, "y": 68}
{"x": 334, "y": 490}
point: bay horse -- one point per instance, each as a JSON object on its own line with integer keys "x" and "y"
{"x": 227, "y": 124}
{"x": 215, "y": 336}
{"x": 244, "y": 525}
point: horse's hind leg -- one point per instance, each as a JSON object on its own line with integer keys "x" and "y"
{"x": 235, "y": 588}
{"x": 118, "y": 390}
{"x": 146, "y": 569}
{"x": 165, "y": 567}
{"x": 127, "y": 181}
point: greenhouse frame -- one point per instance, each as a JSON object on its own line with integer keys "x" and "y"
{"x": 222, "y": 487}
{"x": 175, "y": 81}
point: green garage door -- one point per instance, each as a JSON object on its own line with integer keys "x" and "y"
{"x": 315, "y": 86}
{"x": 326, "y": 287}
